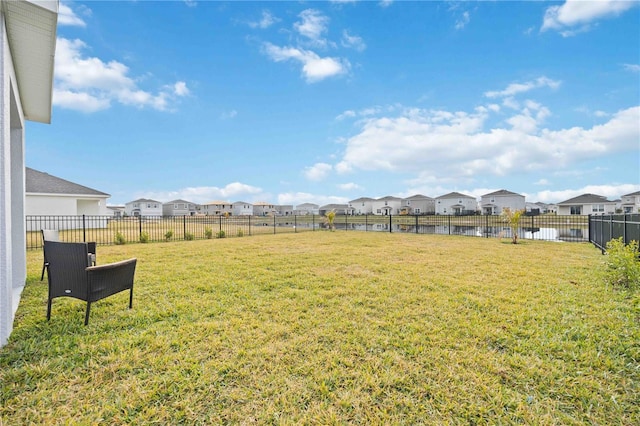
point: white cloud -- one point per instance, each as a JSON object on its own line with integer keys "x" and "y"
{"x": 297, "y": 198}
{"x": 611, "y": 192}
{"x": 580, "y": 13}
{"x": 228, "y": 115}
{"x": 462, "y": 21}
{"x": 314, "y": 67}
{"x": 232, "y": 192}
{"x": 351, "y": 186}
{"x": 632, "y": 67}
{"x": 88, "y": 84}
{"x": 66, "y": 16}
{"x": 457, "y": 143}
{"x": 265, "y": 21}
{"x": 517, "y": 88}
{"x": 385, "y": 3}
{"x": 353, "y": 41}
{"x": 318, "y": 171}
{"x": 312, "y": 25}
{"x": 542, "y": 182}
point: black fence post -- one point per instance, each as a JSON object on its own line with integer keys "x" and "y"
{"x": 274, "y": 224}
{"x": 390, "y": 223}
{"x": 449, "y": 223}
{"x": 366, "y": 222}
{"x": 295, "y": 223}
{"x": 84, "y": 230}
{"x": 184, "y": 227}
{"x": 417, "y": 224}
{"x": 139, "y": 227}
{"x": 346, "y": 221}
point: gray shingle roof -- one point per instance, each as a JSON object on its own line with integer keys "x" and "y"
{"x": 44, "y": 183}
{"x": 586, "y": 199}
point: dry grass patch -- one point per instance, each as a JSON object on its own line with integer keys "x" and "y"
{"x": 333, "y": 328}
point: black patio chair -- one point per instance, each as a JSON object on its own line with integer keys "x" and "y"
{"x": 70, "y": 275}
{"x": 53, "y": 235}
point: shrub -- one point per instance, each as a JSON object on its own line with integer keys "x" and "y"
{"x": 622, "y": 267}
{"x": 144, "y": 237}
{"x": 119, "y": 239}
{"x": 240, "y": 232}
{"x": 220, "y": 234}
{"x": 189, "y": 236}
{"x": 208, "y": 232}
{"x": 168, "y": 235}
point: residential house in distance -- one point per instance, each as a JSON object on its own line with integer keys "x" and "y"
{"x": 143, "y": 207}
{"x": 455, "y": 203}
{"x": 306, "y": 209}
{"x": 284, "y": 209}
{"x": 362, "y": 205}
{"x": 28, "y": 33}
{"x": 587, "y": 204}
{"x": 179, "y": 208}
{"x": 630, "y": 203}
{"x": 216, "y": 208}
{"x": 241, "y": 208}
{"x": 387, "y": 205}
{"x": 341, "y": 209}
{"x": 494, "y": 202}
{"x": 50, "y": 195}
{"x": 262, "y": 208}
{"x": 418, "y": 205}
{"x": 115, "y": 211}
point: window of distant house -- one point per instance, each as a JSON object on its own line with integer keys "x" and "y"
{"x": 445, "y": 210}
{"x": 385, "y": 203}
{"x": 175, "y": 206}
{"x": 408, "y": 202}
{"x": 493, "y": 200}
{"x": 379, "y": 211}
{"x": 417, "y": 211}
{"x": 155, "y": 206}
{"x": 597, "y": 207}
{"x": 576, "y": 209}
{"x": 460, "y": 201}
{"x": 148, "y": 206}
{"x": 135, "y": 205}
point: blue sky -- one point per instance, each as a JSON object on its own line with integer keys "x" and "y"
{"x": 325, "y": 102}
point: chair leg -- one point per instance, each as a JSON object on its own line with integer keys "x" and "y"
{"x": 44, "y": 265}
{"x": 86, "y": 316}
{"x": 49, "y": 309}
{"x": 131, "y": 298}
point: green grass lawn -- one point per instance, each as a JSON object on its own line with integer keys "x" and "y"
{"x": 332, "y": 328}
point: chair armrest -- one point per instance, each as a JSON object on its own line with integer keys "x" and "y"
{"x": 112, "y": 278}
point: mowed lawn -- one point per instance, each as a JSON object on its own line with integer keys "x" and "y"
{"x": 332, "y": 328}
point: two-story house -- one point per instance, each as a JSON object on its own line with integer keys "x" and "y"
{"x": 630, "y": 203}
{"x": 455, "y": 203}
{"x": 217, "y": 208}
{"x": 306, "y": 209}
{"x": 179, "y": 208}
{"x": 242, "y": 208}
{"x": 495, "y": 202}
{"x": 143, "y": 207}
{"x": 418, "y": 205}
{"x": 587, "y": 204}
{"x": 262, "y": 208}
{"x": 386, "y": 206}
{"x": 362, "y": 205}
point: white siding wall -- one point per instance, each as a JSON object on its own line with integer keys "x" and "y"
{"x": 12, "y": 229}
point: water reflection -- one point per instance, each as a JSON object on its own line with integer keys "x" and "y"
{"x": 547, "y": 234}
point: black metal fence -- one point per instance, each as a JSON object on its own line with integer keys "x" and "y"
{"x": 107, "y": 230}
{"x": 605, "y": 228}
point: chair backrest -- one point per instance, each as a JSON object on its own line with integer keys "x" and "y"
{"x": 67, "y": 263}
{"x": 50, "y": 235}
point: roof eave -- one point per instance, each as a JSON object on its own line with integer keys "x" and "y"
{"x": 31, "y": 32}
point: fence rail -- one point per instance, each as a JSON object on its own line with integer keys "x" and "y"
{"x": 605, "y": 228}
{"x": 104, "y": 229}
